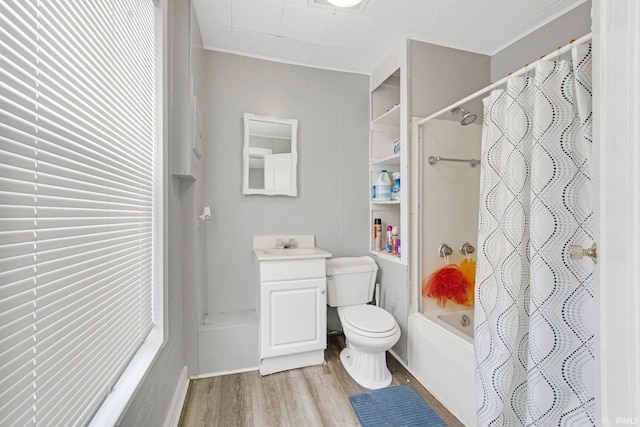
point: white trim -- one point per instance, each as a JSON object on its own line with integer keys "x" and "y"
{"x": 459, "y": 46}
{"x": 222, "y": 373}
{"x": 178, "y": 401}
{"x": 616, "y": 135}
{"x": 282, "y": 61}
{"x": 115, "y": 405}
{"x": 161, "y": 233}
{"x": 537, "y": 27}
{"x": 400, "y": 361}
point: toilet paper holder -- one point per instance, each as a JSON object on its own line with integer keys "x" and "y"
{"x": 206, "y": 214}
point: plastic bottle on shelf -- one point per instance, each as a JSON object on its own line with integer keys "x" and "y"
{"x": 389, "y": 237}
{"x": 395, "y": 191}
{"x": 377, "y": 234}
{"x": 382, "y": 187}
{"x": 394, "y": 240}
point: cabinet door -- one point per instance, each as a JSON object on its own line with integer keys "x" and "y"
{"x": 293, "y": 317}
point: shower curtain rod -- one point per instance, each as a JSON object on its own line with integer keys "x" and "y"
{"x": 502, "y": 81}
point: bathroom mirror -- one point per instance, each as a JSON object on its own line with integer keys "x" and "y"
{"x": 270, "y": 155}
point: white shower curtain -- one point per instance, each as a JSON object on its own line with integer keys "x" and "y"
{"x": 534, "y": 311}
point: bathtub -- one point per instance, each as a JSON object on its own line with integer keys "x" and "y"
{"x": 458, "y": 322}
{"x": 441, "y": 358}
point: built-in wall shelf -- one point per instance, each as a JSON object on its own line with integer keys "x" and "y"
{"x": 385, "y": 202}
{"x": 388, "y": 256}
{"x": 391, "y": 160}
{"x": 385, "y": 99}
{"x": 390, "y": 118}
{"x": 392, "y": 83}
{"x": 388, "y": 151}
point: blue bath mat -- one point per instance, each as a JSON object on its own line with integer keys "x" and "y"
{"x": 397, "y": 406}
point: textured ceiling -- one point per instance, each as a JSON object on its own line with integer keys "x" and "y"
{"x": 303, "y": 32}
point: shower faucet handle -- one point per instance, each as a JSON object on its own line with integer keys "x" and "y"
{"x": 444, "y": 250}
{"x": 467, "y": 248}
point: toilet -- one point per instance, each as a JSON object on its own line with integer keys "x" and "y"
{"x": 369, "y": 330}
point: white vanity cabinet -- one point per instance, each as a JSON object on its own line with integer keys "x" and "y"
{"x": 293, "y": 311}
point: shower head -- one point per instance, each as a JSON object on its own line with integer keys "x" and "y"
{"x": 467, "y": 117}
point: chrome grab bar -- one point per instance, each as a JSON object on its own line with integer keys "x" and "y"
{"x": 435, "y": 159}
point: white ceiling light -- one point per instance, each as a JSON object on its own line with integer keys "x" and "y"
{"x": 340, "y": 6}
{"x": 344, "y": 3}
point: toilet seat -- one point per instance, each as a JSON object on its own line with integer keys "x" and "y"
{"x": 368, "y": 321}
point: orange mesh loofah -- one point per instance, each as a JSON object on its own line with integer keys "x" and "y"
{"x": 447, "y": 283}
{"x": 468, "y": 270}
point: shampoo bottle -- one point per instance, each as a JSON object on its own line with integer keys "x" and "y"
{"x": 377, "y": 234}
{"x": 394, "y": 241}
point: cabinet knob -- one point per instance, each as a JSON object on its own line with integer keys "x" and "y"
{"x": 323, "y": 292}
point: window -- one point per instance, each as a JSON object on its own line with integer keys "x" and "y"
{"x": 80, "y": 188}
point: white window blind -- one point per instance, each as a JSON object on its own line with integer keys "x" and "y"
{"x": 77, "y": 179}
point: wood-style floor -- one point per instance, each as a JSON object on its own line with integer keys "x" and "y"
{"x": 313, "y": 396}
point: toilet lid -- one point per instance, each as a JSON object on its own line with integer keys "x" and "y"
{"x": 369, "y": 318}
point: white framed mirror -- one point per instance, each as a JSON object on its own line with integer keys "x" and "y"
{"x": 270, "y": 156}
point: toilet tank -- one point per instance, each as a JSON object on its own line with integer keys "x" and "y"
{"x": 350, "y": 280}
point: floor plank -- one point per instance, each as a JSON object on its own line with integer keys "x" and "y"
{"x": 312, "y": 396}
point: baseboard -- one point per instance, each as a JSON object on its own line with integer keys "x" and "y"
{"x": 179, "y": 396}
{"x": 399, "y": 359}
{"x": 219, "y": 374}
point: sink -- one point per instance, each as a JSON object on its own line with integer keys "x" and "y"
{"x": 269, "y": 248}
{"x": 291, "y": 253}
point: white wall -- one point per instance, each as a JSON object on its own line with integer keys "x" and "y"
{"x": 569, "y": 26}
{"x": 332, "y": 203}
{"x": 451, "y": 192}
{"x": 440, "y": 76}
